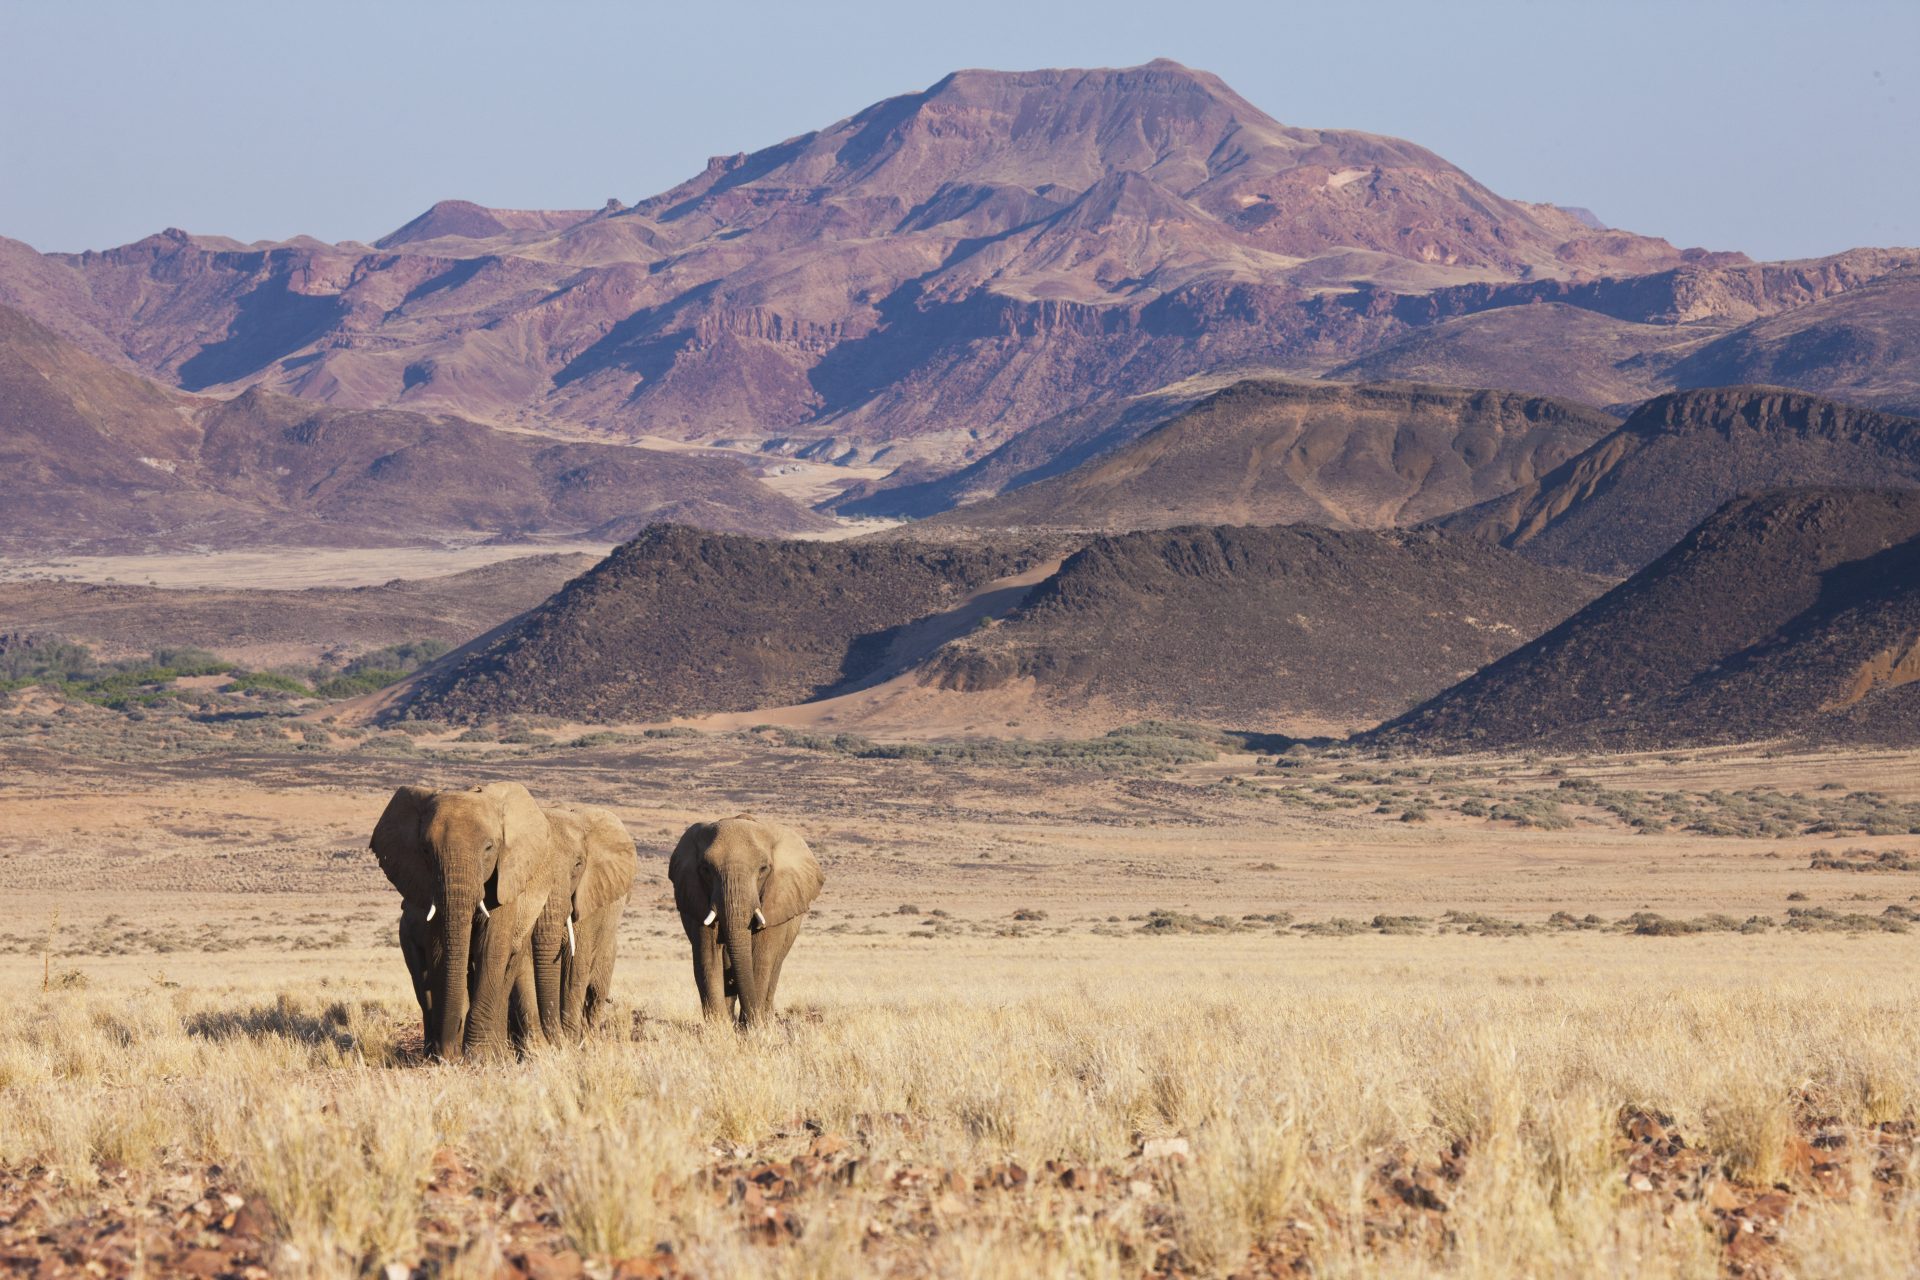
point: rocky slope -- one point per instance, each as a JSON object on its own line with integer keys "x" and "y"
{"x": 1269, "y": 452}
{"x": 1296, "y": 627}
{"x": 1794, "y": 614}
{"x": 1634, "y": 493}
{"x": 101, "y": 459}
{"x": 680, "y": 622}
{"x": 1861, "y": 345}
{"x": 929, "y": 276}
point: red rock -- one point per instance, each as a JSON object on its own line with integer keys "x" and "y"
{"x": 541, "y": 1264}
{"x": 200, "y": 1262}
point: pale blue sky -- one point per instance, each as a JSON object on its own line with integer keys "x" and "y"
{"x": 1785, "y": 130}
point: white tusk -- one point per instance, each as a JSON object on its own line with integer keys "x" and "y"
{"x": 432, "y": 909}
{"x": 570, "y": 935}
{"x": 713, "y": 913}
{"x": 759, "y": 921}
{"x": 484, "y": 913}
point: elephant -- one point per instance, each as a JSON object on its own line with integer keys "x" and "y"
{"x": 601, "y": 875}
{"x": 476, "y": 871}
{"x": 742, "y": 886}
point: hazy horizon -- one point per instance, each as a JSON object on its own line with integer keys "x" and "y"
{"x": 122, "y": 119}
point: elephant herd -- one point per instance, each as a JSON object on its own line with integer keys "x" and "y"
{"x": 510, "y": 911}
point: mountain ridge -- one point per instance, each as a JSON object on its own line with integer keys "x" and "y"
{"x": 1631, "y": 495}
{"x": 923, "y": 279}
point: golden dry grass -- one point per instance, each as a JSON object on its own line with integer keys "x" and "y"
{"x": 1291, "y": 1093}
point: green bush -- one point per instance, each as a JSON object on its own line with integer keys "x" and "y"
{"x": 268, "y": 682}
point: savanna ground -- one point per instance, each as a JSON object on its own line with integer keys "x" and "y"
{"x": 1154, "y": 1004}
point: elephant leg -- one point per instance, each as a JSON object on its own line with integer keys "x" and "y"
{"x": 709, "y": 968}
{"x": 523, "y": 1013}
{"x": 598, "y": 983}
{"x": 770, "y": 947}
{"x": 416, "y": 948}
{"x": 500, "y": 944}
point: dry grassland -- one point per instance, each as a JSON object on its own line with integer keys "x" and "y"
{"x": 1051, "y": 1018}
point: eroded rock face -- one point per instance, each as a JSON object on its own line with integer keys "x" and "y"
{"x": 101, "y": 459}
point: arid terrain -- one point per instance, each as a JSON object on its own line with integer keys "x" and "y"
{"x": 1353, "y": 725}
{"x": 1148, "y": 1004}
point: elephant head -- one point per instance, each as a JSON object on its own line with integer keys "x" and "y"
{"x": 742, "y": 886}
{"x": 474, "y": 867}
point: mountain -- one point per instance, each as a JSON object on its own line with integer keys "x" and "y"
{"x": 101, "y": 458}
{"x": 1634, "y": 493}
{"x": 680, "y": 622}
{"x": 1307, "y": 629}
{"x": 920, "y": 281}
{"x": 1834, "y": 326}
{"x": 1862, "y": 345}
{"x": 1542, "y": 348}
{"x": 1793, "y": 614}
{"x": 1269, "y": 452}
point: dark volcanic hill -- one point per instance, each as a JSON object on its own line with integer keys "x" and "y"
{"x": 679, "y": 622}
{"x": 931, "y": 275}
{"x": 1678, "y": 457}
{"x": 1794, "y": 614}
{"x": 98, "y": 458}
{"x": 1308, "y": 628}
{"x": 1320, "y": 453}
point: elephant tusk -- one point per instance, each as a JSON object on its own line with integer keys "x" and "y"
{"x": 570, "y": 950}
{"x": 759, "y": 921}
{"x": 484, "y": 913}
{"x": 431, "y": 910}
{"x": 713, "y": 913}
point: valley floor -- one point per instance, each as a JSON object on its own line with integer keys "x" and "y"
{"x": 1060, "y": 1011}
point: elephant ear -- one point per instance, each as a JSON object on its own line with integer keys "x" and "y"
{"x": 611, "y": 860}
{"x": 683, "y": 868}
{"x": 399, "y": 842}
{"x": 525, "y": 839}
{"x": 794, "y": 880}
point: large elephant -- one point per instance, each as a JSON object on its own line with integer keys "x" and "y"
{"x": 602, "y": 864}
{"x": 743, "y": 887}
{"x": 475, "y": 870}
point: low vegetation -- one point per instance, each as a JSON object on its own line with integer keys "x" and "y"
{"x": 1452, "y": 1124}
{"x": 71, "y": 671}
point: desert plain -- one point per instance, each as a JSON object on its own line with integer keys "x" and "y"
{"x": 1159, "y": 1002}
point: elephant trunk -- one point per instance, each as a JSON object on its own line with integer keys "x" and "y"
{"x": 550, "y": 960}
{"x": 458, "y": 904}
{"x": 737, "y": 924}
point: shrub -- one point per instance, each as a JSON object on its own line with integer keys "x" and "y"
{"x": 268, "y": 682}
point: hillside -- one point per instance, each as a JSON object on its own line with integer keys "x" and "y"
{"x": 1269, "y": 452}
{"x": 1862, "y": 345}
{"x": 1794, "y": 614}
{"x": 99, "y": 458}
{"x": 1307, "y": 629}
{"x": 1545, "y": 348}
{"x": 1634, "y": 493}
{"x": 927, "y": 277}
{"x": 679, "y": 622}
